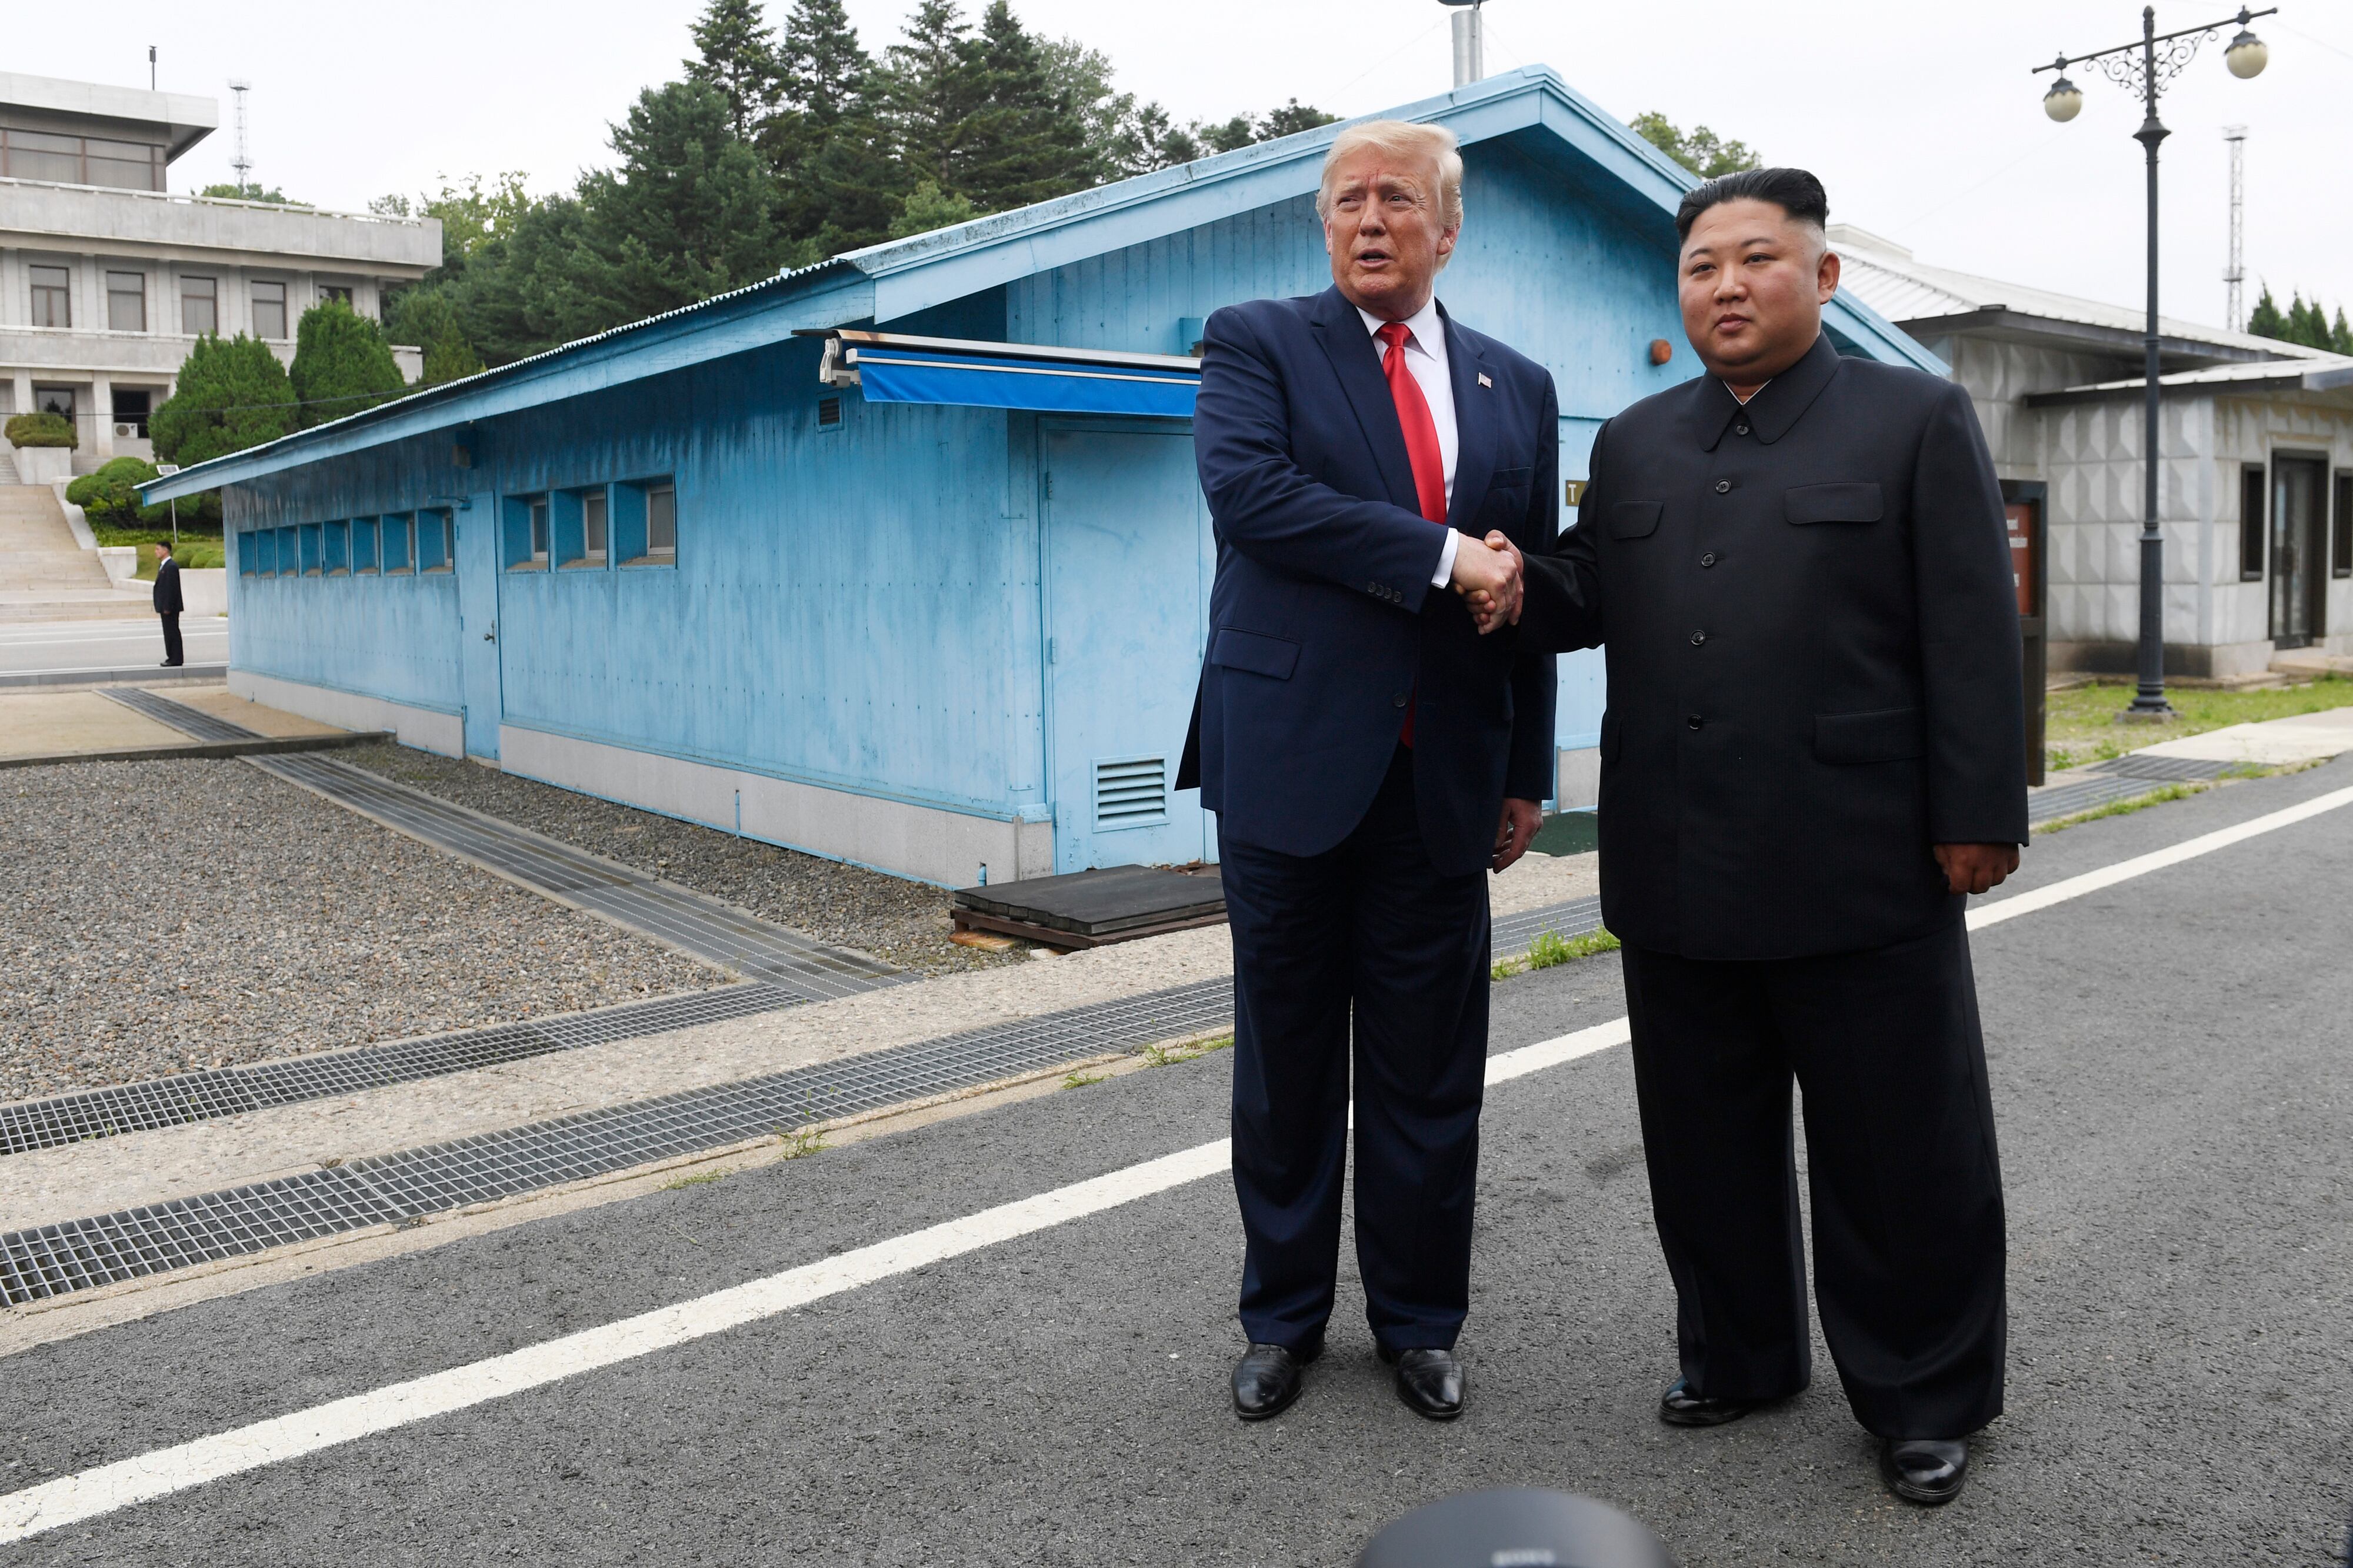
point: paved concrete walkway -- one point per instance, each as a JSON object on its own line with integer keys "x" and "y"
{"x": 2274, "y": 742}
{"x": 65, "y": 724}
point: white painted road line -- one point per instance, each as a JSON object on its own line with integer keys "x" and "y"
{"x": 88, "y": 1494}
{"x": 2156, "y": 860}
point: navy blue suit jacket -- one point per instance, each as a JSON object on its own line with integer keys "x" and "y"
{"x": 1324, "y": 623}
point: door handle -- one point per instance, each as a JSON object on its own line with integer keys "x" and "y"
{"x": 492, "y": 635}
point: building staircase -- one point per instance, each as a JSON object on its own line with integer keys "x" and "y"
{"x": 44, "y": 573}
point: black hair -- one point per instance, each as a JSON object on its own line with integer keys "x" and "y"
{"x": 1794, "y": 191}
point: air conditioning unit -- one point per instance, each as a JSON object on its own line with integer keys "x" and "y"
{"x": 125, "y": 432}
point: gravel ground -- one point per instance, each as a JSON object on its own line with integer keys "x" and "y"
{"x": 899, "y": 921}
{"x": 160, "y": 916}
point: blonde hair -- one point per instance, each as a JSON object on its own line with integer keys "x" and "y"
{"x": 1401, "y": 139}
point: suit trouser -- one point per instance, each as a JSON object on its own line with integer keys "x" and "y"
{"x": 1901, "y": 1169}
{"x": 172, "y": 654}
{"x": 1367, "y": 924}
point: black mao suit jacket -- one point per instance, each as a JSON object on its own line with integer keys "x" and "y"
{"x": 1813, "y": 658}
{"x": 167, "y": 588}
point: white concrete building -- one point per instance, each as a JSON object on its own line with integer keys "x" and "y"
{"x": 2255, "y": 494}
{"x": 107, "y": 278}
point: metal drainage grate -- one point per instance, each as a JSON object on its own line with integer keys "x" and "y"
{"x": 713, "y": 931}
{"x": 2173, "y": 769}
{"x": 57, "y": 1259}
{"x": 716, "y": 933}
{"x": 194, "y": 723}
{"x": 226, "y": 1091}
{"x": 77, "y": 1255}
{"x": 2083, "y": 795}
{"x": 1513, "y": 934}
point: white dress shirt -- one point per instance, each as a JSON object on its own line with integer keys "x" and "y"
{"x": 1425, "y": 361}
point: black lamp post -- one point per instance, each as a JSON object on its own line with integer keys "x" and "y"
{"x": 2142, "y": 66}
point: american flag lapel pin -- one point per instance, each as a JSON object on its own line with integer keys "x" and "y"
{"x": 1483, "y": 381}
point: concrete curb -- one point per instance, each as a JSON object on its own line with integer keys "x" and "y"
{"x": 203, "y": 674}
{"x": 266, "y": 745}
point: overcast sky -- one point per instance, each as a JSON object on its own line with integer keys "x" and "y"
{"x": 1922, "y": 119}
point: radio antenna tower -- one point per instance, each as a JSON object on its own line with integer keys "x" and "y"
{"x": 2235, "y": 274}
{"x": 242, "y": 163}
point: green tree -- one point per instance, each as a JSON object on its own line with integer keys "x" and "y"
{"x": 231, "y": 393}
{"x": 237, "y": 193}
{"x": 340, "y": 365}
{"x": 426, "y": 317}
{"x": 1291, "y": 120}
{"x": 735, "y": 55}
{"x": 2340, "y": 336}
{"x": 691, "y": 212}
{"x": 2266, "y": 321}
{"x": 934, "y": 85}
{"x": 842, "y": 187}
{"x": 1702, "y": 151}
{"x": 927, "y": 207}
{"x": 1026, "y": 141}
{"x": 470, "y": 215}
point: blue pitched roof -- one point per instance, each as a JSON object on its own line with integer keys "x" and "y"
{"x": 887, "y": 282}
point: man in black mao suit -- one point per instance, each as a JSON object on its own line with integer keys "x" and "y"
{"x": 1370, "y": 754}
{"x": 167, "y": 603}
{"x": 1814, "y": 749}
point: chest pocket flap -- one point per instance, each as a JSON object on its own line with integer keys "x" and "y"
{"x": 1857, "y": 501}
{"x": 1634, "y": 519}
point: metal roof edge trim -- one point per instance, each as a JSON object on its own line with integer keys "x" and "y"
{"x": 510, "y": 388}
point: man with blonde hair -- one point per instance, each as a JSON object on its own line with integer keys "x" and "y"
{"x": 1368, "y": 754}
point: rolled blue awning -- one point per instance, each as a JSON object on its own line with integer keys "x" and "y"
{"x": 893, "y": 369}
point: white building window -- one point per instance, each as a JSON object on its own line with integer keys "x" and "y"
{"x": 270, "y": 311}
{"x": 199, "y": 306}
{"x": 52, "y": 296}
{"x": 126, "y": 301}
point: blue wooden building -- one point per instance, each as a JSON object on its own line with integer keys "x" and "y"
{"x": 901, "y": 558}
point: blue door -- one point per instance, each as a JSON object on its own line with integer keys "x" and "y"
{"x": 1127, "y": 568}
{"x": 477, "y": 623}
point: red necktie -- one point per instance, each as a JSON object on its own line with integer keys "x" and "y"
{"x": 1420, "y": 450}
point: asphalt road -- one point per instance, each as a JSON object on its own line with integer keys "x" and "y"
{"x": 55, "y": 646}
{"x": 2169, "y": 1064}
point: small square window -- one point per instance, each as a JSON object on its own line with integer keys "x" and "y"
{"x": 527, "y": 529}
{"x": 310, "y": 550}
{"x": 436, "y": 540}
{"x": 336, "y": 556}
{"x": 289, "y": 551}
{"x": 259, "y": 552}
{"x": 249, "y": 556}
{"x": 364, "y": 556}
{"x": 645, "y": 523}
{"x": 397, "y": 529}
{"x": 582, "y": 521}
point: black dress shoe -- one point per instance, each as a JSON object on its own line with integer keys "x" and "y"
{"x": 1266, "y": 1380}
{"x": 1928, "y": 1470}
{"x": 1679, "y": 1406}
{"x": 1430, "y": 1381}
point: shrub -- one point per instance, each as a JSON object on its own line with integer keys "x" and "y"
{"x": 113, "y": 493}
{"x": 42, "y": 430}
{"x": 233, "y": 393}
{"x": 340, "y": 365}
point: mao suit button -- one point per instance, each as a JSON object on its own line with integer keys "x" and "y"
{"x": 1401, "y": 699}
{"x": 1723, "y": 487}
{"x": 1698, "y": 637}
{"x": 1740, "y": 429}
{"x": 1693, "y": 720}
{"x": 1708, "y": 559}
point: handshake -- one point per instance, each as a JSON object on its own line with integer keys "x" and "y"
{"x": 1489, "y": 577}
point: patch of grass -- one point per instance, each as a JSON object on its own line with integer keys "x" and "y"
{"x": 195, "y": 552}
{"x": 800, "y": 1143}
{"x": 1550, "y": 948}
{"x": 2157, "y": 796}
{"x": 701, "y": 1179}
{"x": 1082, "y": 1079}
{"x": 1183, "y": 1050}
{"x": 2081, "y": 726}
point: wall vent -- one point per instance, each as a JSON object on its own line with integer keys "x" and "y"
{"x": 1130, "y": 792}
{"x": 828, "y": 413}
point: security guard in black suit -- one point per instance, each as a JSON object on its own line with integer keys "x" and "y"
{"x": 1814, "y": 749}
